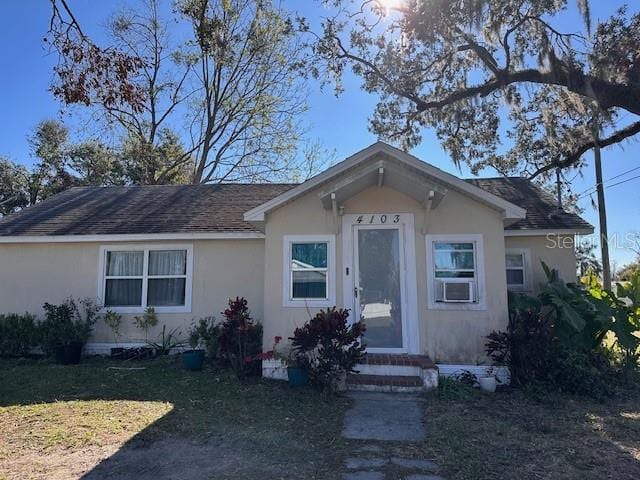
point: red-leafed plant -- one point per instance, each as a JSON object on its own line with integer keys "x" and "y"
{"x": 241, "y": 338}
{"x": 332, "y": 346}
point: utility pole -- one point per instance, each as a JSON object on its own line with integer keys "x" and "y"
{"x": 558, "y": 189}
{"x": 602, "y": 209}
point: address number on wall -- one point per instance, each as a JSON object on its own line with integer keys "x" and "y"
{"x": 378, "y": 219}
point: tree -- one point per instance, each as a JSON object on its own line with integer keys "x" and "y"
{"x": 586, "y": 259}
{"x": 62, "y": 164}
{"x": 249, "y": 89}
{"x": 466, "y": 67}
{"x": 85, "y": 71}
{"x": 237, "y": 80}
{"x": 14, "y": 193}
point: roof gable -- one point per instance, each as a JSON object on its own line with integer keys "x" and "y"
{"x": 374, "y": 153}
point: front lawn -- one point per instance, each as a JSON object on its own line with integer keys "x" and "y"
{"x": 96, "y": 420}
{"x": 516, "y": 435}
{"x": 158, "y": 421}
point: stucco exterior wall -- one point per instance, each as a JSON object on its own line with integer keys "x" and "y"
{"x": 31, "y": 274}
{"x": 557, "y": 251}
{"x": 448, "y": 336}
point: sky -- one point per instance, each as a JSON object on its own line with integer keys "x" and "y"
{"x": 339, "y": 122}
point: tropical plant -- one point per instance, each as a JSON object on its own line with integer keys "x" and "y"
{"x": 241, "y": 338}
{"x": 18, "y": 334}
{"x": 331, "y": 345}
{"x": 69, "y": 323}
{"x": 167, "y": 341}
{"x": 526, "y": 346}
{"x": 559, "y": 338}
{"x": 114, "y": 321}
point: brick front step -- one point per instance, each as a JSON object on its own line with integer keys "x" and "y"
{"x": 404, "y": 360}
{"x": 384, "y": 383}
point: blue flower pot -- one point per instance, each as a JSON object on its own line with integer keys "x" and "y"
{"x": 298, "y": 377}
{"x": 193, "y": 359}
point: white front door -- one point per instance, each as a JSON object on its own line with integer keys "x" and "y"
{"x": 377, "y": 248}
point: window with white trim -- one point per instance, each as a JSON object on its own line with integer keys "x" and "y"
{"x": 517, "y": 269}
{"x": 134, "y": 278}
{"x": 455, "y": 268}
{"x": 309, "y": 270}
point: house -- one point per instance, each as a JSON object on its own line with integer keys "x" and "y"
{"x": 424, "y": 257}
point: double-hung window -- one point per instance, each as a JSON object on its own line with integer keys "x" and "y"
{"x": 309, "y": 270}
{"x": 517, "y": 262}
{"x": 455, "y": 269}
{"x": 135, "y": 278}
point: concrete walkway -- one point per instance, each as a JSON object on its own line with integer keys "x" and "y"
{"x": 386, "y": 417}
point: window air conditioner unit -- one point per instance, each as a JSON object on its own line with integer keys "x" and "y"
{"x": 457, "y": 291}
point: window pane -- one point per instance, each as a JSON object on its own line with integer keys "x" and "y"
{"x": 167, "y": 262}
{"x": 515, "y": 260}
{"x": 454, "y": 260}
{"x": 309, "y": 255}
{"x": 120, "y": 264}
{"x": 453, "y": 246}
{"x": 309, "y": 284}
{"x": 162, "y": 292}
{"x": 453, "y": 274}
{"x": 123, "y": 293}
{"x": 515, "y": 277}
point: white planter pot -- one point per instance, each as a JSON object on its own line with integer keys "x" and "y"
{"x": 487, "y": 384}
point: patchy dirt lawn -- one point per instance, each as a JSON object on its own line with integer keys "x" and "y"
{"x": 93, "y": 421}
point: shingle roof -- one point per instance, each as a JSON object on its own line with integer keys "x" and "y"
{"x": 143, "y": 209}
{"x": 542, "y": 211}
{"x": 219, "y": 208}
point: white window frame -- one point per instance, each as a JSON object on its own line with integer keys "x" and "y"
{"x": 526, "y": 269}
{"x": 102, "y": 279}
{"x": 287, "y": 278}
{"x": 480, "y": 294}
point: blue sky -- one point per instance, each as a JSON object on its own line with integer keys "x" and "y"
{"x": 341, "y": 123}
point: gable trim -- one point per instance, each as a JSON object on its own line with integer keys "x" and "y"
{"x": 544, "y": 232}
{"x": 511, "y": 210}
{"x": 143, "y": 237}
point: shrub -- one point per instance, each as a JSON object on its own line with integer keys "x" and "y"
{"x": 69, "y": 323}
{"x": 527, "y": 345}
{"x": 18, "y": 334}
{"x": 557, "y": 339}
{"x": 146, "y": 321}
{"x": 331, "y": 346}
{"x": 113, "y": 320}
{"x": 240, "y": 339}
{"x": 207, "y": 332}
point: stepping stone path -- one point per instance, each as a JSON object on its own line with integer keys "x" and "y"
{"x": 386, "y": 417}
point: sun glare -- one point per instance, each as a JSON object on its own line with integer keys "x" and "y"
{"x": 390, "y": 5}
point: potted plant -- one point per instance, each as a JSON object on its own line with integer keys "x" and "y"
{"x": 114, "y": 321}
{"x": 296, "y": 362}
{"x": 194, "y": 358}
{"x": 488, "y": 382}
{"x": 67, "y": 328}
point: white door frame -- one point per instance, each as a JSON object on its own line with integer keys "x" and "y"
{"x": 405, "y": 223}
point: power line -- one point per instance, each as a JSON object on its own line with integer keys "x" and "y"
{"x": 609, "y": 186}
{"x": 590, "y": 190}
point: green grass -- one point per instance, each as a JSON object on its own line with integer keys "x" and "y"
{"x": 52, "y": 414}
{"x": 60, "y": 422}
{"x": 514, "y": 435}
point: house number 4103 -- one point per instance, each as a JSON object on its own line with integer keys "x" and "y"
{"x": 383, "y": 218}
